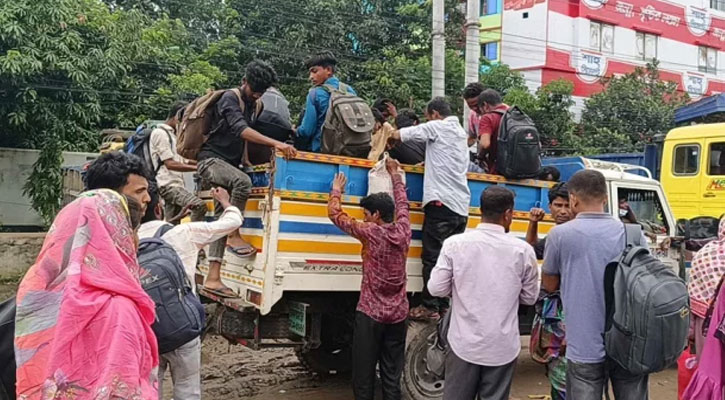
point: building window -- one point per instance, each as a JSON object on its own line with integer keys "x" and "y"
{"x": 490, "y": 51}
{"x": 717, "y": 159}
{"x": 489, "y": 7}
{"x": 646, "y": 46}
{"x": 601, "y": 37}
{"x": 718, "y": 4}
{"x": 707, "y": 60}
{"x": 687, "y": 159}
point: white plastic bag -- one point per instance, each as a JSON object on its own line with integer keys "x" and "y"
{"x": 379, "y": 178}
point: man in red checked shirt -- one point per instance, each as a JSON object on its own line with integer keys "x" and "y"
{"x": 491, "y": 108}
{"x": 380, "y": 326}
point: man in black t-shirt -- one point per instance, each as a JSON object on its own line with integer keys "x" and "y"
{"x": 221, "y": 156}
{"x": 559, "y": 206}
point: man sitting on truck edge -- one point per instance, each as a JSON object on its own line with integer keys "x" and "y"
{"x": 489, "y": 274}
{"x": 170, "y": 180}
{"x": 380, "y": 326}
{"x": 491, "y": 108}
{"x": 445, "y": 190}
{"x": 559, "y": 206}
{"x": 184, "y": 363}
{"x": 575, "y": 258}
{"x": 321, "y": 67}
{"x": 221, "y": 155}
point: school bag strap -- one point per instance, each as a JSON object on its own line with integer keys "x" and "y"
{"x": 162, "y": 230}
{"x": 633, "y": 234}
{"x": 633, "y": 240}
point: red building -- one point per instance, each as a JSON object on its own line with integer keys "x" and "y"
{"x": 584, "y": 40}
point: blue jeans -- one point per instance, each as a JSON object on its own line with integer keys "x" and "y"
{"x": 588, "y": 382}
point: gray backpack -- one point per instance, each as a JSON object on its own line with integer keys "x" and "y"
{"x": 349, "y": 124}
{"x": 647, "y": 309}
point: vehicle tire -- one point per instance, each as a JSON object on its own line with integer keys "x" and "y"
{"x": 418, "y": 382}
{"x": 334, "y": 355}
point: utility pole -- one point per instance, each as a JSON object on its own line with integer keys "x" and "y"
{"x": 439, "y": 49}
{"x": 473, "y": 47}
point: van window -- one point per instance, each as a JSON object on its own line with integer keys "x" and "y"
{"x": 643, "y": 207}
{"x": 686, "y": 159}
{"x": 717, "y": 159}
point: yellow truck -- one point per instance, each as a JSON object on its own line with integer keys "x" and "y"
{"x": 693, "y": 171}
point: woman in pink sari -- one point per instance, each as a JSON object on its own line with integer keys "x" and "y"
{"x": 83, "y": 324}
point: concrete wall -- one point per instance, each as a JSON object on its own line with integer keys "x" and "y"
{"x": 15, "y": 168}
{"x": 19, "y": 251}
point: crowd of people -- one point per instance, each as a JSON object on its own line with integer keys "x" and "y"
{"x": 84, "y": 323}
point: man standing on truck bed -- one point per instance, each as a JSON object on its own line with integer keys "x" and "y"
{"x": 445, "y": 190}
{"x": 491, "y": 108}
{"x": 221, "y": 155}
{"x": 321, "y": 67}
{"x": 380, "y": 326}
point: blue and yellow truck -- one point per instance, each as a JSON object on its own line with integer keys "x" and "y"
{"x": 301, "y": 288}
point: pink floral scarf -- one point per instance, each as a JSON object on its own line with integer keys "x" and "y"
{"x": 708, "y": 267}
{"x": 83, "y": 324}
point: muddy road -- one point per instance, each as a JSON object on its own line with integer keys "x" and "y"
{"x": 234, "y": 372}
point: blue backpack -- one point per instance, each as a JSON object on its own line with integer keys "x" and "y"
{"x": 180, "y": 316}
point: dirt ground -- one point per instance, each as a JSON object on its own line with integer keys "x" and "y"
{"x": 234, "y": 372}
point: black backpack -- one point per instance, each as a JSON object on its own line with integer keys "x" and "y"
{"x": 139, "y": 144}
{"x": 180, "y": 316}
{"x": 274, "y": 122}
{"x": 518, "y": 145}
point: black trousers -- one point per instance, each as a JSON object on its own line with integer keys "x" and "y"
{"x": 465, "y": 381}
{"x": 372, "y": 343}
{"x": 439, "y": 224}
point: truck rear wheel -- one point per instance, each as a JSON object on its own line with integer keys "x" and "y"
{"x": 420, "y": 382}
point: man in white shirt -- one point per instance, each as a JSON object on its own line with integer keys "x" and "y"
{"x": 187, "y": 239}
{"x": 488, "y": 273}
{"x": 169, "y": 167}
{"x": 445, "y": 190}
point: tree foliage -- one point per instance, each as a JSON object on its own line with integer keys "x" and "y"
{"x": 636, "y": 106}
{"x": 69, "y": 68}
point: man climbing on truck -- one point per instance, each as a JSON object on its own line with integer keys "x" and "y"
{"x": 171, "y": 166}
{"x": 380, "y": 326}
{"x": 445, "y": 190}
{"x": 221, "y": 156}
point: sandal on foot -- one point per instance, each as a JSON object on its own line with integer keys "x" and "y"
{"x": 242, "y": 251}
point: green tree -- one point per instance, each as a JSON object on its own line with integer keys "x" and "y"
{"x": 503, "y": 79}
{"x": 69, "y": 68}
{"x": 634, "y": 107}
